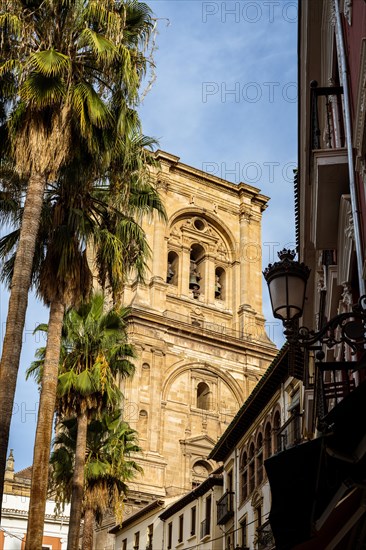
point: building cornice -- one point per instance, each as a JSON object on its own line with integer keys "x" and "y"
{"x": 16, "y": 512}
{"x": 262, "y": 393}
{"x": 203, "y": 488}
{"x": 196, "y": 174}
{"x": 201, "y": 334}
{"x": 147, "y": 510}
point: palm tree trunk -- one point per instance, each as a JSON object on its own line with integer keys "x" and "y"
{"x": 18, "y": 301}
{"x": 42, "y": 446}
{"x": 78, "y": 484}
{"x": 88, "y": 533}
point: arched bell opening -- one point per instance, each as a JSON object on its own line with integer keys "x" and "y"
{"x": 197, "y": 271}
{"x": 172, "y": 268}
{"x": 220, "y": 284}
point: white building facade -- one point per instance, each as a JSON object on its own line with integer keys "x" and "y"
{"x": 269, "y": 422}
{"x": 14, "y": 513}
{"x": 14, "y": 524}
{"x": 185, "y": 522}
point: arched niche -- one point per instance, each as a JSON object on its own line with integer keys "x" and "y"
{"x": 143, "y": 424}
{"x": 201, "y": 469}
{"x": 172, "y": 268}
{"x": 268, "y": 440}
{"x": 197, "y": 270}
{"x": 211, "y": 219}
{"x": 203, "y": 396}
{"x": 251, "y": 465}
{"x": 178, "y": 369}
{"x": 145, "y": 375}
{"x": 259, "y": 458}
{"x": 220, "y": 283}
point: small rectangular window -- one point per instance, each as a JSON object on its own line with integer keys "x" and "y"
{"x": 243, "y": 532}
{"x": 193, "y": 520}
{"x": 170, "y": 535}
{"x": 208, "y": 514}
{"x": 230, "y": 481}
{"x": 258, "y": 516}
{"x": 124, "y": 544}
{"x": 180, "y": 535}
{"x": 136, "y": 545}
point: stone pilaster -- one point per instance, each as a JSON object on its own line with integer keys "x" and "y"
{"x": 158, "y": 362}
{"x": 244, "y": 287}
{"x": 210, "y": 279}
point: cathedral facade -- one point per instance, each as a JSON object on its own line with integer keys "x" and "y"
{"x": 196, "y": 324}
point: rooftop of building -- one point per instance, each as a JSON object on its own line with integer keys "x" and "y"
{"x": 253, "y": 406}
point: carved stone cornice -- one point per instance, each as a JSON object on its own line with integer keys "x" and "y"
{"x": 360, "y": 119}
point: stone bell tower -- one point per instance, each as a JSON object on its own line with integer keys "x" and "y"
{"x": 196, "y": 323}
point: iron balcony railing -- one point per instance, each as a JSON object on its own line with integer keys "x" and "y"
{"x": 335, "y": 380}
{"x": 327, "y": 126}
{"x": 225, "y": 508}
{"x": 289, "y": 434}
{"x": 264, "y": 538}
{"x": 205, "y": 527}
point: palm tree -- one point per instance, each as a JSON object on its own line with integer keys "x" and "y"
{"x": 109, "y": 465}
{"x": 66, "y": 70}
{"x": 95, "y": 354}
{"x": 73, "y": 214}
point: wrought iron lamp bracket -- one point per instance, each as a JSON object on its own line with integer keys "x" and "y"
{"x": 346, "y": 328}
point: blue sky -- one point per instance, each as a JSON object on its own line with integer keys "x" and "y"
{"x": 224, "y": 100}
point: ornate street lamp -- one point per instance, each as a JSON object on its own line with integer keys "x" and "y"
{"x": 286, "y": 281}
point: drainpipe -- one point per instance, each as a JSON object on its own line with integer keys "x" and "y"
{"x": 347, "y": 119}
{"x": 236, "y": 497}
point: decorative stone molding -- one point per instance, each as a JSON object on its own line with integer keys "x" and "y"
{"x": 347, "y": 11}
{"x": 257, "y": 499}
{"x": 162, "y": 183}
{"x": 246, "y": 214}
{"x": 360, "y": 119}
{"x": 345, "y": 240}
{"x": 347, "y": 299}
{"x": 321, "y": 282}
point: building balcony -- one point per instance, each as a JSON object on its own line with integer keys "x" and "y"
{"x": 330, "y": 181}
{"x": 225, "y": 508}
{"x": 313, "y": 484}
{"x": 330, "y": 164}
{"x": 327, "y": 122}
{"x": 289, "y": 434}
{"x": 335, "y": 381}
{"x": 264, "y": 538}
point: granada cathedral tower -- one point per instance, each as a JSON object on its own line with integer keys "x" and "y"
{"x": 196, "y": 324}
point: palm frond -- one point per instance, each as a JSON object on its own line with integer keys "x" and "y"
{"x": 42, "y": 91}
{"x": 49, "y": 63}
{"x": 104, "y": 48}
{"x": 110, "y": 20}
{"x": 108, "y": 466}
